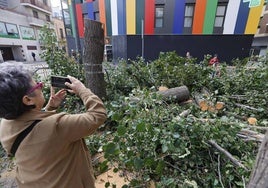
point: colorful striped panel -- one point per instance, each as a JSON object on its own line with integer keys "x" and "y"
{"x": 90, "y": 10}
{"x": 253, "y": 19}
{"x": 178, "y": 22}
{"x": 199, "y": 16}
{"x": 114, "y": 17}
{"x": 131, "y": 17}
{"x": 231, "y": 17}
{"x": 242, "y": 18}
{"x": 149, "y": 17}
{"x": 102, "y": 15}
{"x": 121, "y": 11}
{"x": 108, "y": 17}
{"x": 210, "y": 16}
{"x": 139, "y": 15}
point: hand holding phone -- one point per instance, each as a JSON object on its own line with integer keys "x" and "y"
{"x": 59, "y": 81}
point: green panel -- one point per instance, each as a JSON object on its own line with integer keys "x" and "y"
{"x": 139, "y": 15}
{"x": 73, "y": 17}
{"x": 210, "y": 16}
{"x": 108, "y": 17}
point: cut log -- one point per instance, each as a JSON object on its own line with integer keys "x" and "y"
{"x": 219, "y": 105}
{"x": 252, "y": 121}
{"x": 177, "y": 94}
{"x": 162, "y": 88}
{"x": 201, "y": 102}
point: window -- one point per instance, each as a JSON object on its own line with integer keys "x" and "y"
{"x": 45, "y": 2}
{"x": 61, "y": 33}
{"x": 48, "y": 18}
{"x": 97, "y": 16}
{"x": 188, "y": 15}
{"x": 220, "y": 14}
{"x": 159, "y": 16}
{"x": 35, "y": 14}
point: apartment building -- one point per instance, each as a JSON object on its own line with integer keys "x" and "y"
{"x": 147, "y": 27}
{"x": 260, "y": 42}
{"x": 20, "y": 25}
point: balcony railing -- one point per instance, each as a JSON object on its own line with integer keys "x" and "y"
{"x": 36, "y": 22}
{"x": 36, "y": 3}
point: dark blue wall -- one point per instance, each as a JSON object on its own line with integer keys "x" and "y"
{"x": 227, "y": 47}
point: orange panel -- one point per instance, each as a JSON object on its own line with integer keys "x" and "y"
{"x": 199, "y": 16}
{"x": 102, "y": 15}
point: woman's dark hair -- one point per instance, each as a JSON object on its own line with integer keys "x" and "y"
{"x": 15, "y": 81}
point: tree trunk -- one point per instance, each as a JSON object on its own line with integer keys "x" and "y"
{"x": 178, "y": 94}
{"x": 93, "y": 57}
{"x": 259, "y": 175}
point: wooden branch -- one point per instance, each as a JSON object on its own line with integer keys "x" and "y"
{"x": 227, "y": 154}
{"x": 246, "y": 107}
{"x": 250, "y": 135}
{"x": 235, "y": 115}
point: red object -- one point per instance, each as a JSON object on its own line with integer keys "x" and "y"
{"x": 149, "y": 16}
{"x": 213, "y": 61}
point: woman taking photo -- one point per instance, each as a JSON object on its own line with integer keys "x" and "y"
{"x": 49, "y": 147}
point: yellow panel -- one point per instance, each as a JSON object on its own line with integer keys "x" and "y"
{"x": 131, "y": 16}
{"x": 253, "y": 19}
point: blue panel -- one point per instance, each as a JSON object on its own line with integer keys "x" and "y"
{"x": 90, "y": 10}
{"x": 242, "y": 18}
{"x": 121, "y": 8}
{"x": 178, "y": 21}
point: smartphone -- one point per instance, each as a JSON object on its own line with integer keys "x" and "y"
{"x": 59, "y": 81}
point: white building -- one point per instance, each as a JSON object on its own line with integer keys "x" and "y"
{"x": 20, "y": 24}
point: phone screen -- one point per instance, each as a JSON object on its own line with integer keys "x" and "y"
{"x": 59, "y": 81}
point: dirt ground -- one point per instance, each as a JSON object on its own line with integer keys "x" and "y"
{"x": 7, "y": 177}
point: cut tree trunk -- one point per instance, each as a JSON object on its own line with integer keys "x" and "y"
{"x": 201, "y": 102}
{"x": 259, "y": 175}
{"x": 178, "y": 94}
{"x": 93, "y": 57}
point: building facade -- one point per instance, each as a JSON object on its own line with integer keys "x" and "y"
{"x": 260, "y": 42}
{"x": 212, "y": 19}
{"x": 20, "y": 25}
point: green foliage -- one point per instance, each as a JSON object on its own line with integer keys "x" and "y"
{"x": 62, "y": 65}
{"x": 145, "y": 136}
{"x": 152, "y": 142}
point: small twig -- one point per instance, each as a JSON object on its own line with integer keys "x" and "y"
{"x": 174, "y": 167}
{"x": 219, "y": 170}
{"x": 227, "y": 154}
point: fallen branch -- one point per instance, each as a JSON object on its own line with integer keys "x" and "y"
{"x": 246, "y": 107}
{"x": 250, "y": 135}
{"x": 227, "y": 154}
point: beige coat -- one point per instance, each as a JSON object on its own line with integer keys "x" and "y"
{"x": 54, "y": 154}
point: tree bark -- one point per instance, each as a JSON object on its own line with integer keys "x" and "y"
{"x": 259, "y": 175}
{"x": 178, "y": 94}
{"x": 93, "y": 57}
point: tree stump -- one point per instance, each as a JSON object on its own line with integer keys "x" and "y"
{"x": 178, "y": 94}
{"x": 93, "y": 57}
{"x": 259, "y": 175}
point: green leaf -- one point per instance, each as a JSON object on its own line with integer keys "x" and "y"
{"x": 138, "y": 163}
{"x": 111, "y": 149}
{"x": 141, "y": 127}
{"x": 121, "y": 130}
{"x": 164, "y": 148}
